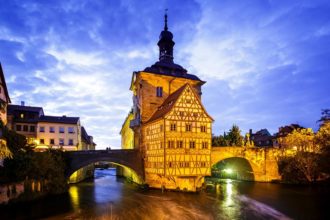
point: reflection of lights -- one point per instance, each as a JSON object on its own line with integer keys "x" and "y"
{"x": 228, "y": 170}
{"x": 73, "y": 191}
{"x": 229, "y": 193}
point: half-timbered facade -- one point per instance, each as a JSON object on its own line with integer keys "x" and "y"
{"x": 177, "y": 141}
{"x": 170, "y": 125}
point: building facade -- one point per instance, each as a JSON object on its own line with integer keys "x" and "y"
{"x": 4, "y": 101}
{"x": 45, "y": 132}
{"x": 170, "y": 126}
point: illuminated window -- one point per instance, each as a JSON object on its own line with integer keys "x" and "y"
{"x": 159, "y": 91}
{"x": 188, "y": 101}
{"x": 71, "y": 130}
{"x": 203, "y": 128}
{"x": 18, "y": 127}
{"x": 51, "y": 141}
{"x": 61, "y": 129}
{"x": 25, "y": 128}
{"x": 32, "y": 128}
{"x": 173, "y": 127}
{"x": 51, "y": 129}
{"x": 203, "y": 164}
{"x": 170, "y": 144}
{"x": 42, "y": 129}
{"x": 188, "y": 127}
{"x": 170, "y": 164}
{"x": 181, "y": 114}
{"x": 161, "y": 128}
{"x": 70, "y": 142}
{"x": 61, "y": 141}
{"x": 42, "y": 141}
{"x": 21, "y": 115}
{"x": 192, "y": 144}
{"x": 179, "y": 144}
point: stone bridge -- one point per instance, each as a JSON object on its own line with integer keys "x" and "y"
{"x": 263, "y": 161}
{"x": 126, "y": 158}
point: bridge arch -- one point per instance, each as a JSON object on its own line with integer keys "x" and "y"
{"x": 263, "y": 162}
{"x": 126, "y": 158}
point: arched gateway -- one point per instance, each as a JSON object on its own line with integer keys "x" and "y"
{"x": 263, "y": 161}
{"x": 127, "y": 158}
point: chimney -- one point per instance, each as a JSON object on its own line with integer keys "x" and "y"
{"x": 22, "y": 103}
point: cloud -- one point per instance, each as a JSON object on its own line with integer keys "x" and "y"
{"x": 266, "y": 62}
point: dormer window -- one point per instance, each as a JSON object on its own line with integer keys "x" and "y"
{"x": 159, "y": 91}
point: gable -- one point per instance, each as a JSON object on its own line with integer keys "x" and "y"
{"x": 182, "y": 100}
{"x": 188, "y": 107}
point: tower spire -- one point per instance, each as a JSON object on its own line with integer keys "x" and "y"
{"x": 165, "y": 27}
{"x": 166, "y": 43}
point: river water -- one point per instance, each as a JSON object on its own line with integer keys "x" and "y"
{"x": 107, "y": 197}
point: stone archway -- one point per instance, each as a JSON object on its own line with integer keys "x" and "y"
{"x": 125, "y": 158}
{"x": 263, "y": 161}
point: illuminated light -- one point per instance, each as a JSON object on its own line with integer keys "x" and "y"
{"x": 228, "y": 170}
{"x": 295, "y": 148}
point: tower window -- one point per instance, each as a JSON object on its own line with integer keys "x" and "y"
{"x": 159, "y": 91}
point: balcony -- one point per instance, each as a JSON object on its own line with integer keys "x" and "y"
{"x": 134, "y": 123}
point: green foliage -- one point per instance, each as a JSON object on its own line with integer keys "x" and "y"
{"x": 234, "y": 136}
{"x": 300, "y": 168}
{"x": 219, "y": 141}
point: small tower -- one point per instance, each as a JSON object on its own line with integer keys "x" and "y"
{"x": 166, "y": 44}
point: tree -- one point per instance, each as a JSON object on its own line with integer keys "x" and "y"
{"x": 325, "y": 116}
{"x": 299, "y": 140}
{"x": 234, "y": 136}
{"x": 219, "y": 141}
{"x": 322, "y": 140}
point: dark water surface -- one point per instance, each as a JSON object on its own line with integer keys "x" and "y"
{"x": 106, "y": 197}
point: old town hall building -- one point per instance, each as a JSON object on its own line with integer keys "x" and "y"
{"x": 169, "y": 123}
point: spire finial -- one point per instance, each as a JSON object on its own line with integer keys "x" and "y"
{"x": 165, "y": 27}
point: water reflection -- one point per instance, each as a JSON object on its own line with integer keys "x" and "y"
{"x": 106, "y": 197}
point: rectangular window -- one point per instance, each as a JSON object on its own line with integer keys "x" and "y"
{"x": 179, "y": 144}
{"x": 203, "y": 128}
{"x": 21, "y": 115}
{"x": 170, "y": 144}
{"x": 192, "y": 144}
{"x": 159, "y": 91}
{"x": 71, "y": 130}
{"x": 18, "y": 127}
{"x": 25, "y": 128}
{"x": 61, "y": 129}
{"x": 161, "y": 128}
{"x": 32, "y": 128}
{"x": 42, "y": 141}
{"x": 51, "y": 129}
{"x": 51, "y": 141}
{"x": 203, "y": 164}
{"x": 42, "y": 129}
{"x": 70, "y": 142}
{"x": 181, "y": 114}
{"x": 204, "y": 145}
{"x": 61, "y": 141}
{"x": 173, "y": 127}
{"x": 188, "y": 127}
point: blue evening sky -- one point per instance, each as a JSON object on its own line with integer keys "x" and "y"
{"x": 266, "y": 63}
